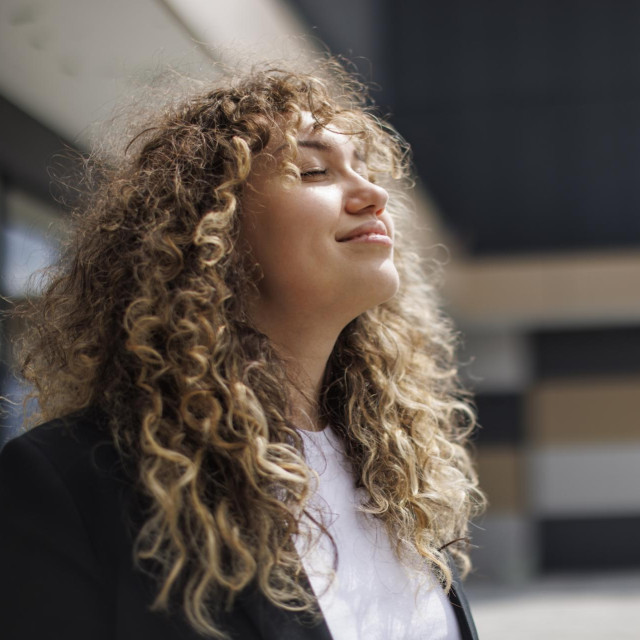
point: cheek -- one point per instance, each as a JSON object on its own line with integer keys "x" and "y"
{"x": 301, "y": 219}
{"x": 292, "y": 233}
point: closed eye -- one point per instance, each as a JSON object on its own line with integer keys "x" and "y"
{"x": 313, "y": 172}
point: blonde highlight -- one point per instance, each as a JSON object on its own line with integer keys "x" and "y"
{"x": 145, "y": 317}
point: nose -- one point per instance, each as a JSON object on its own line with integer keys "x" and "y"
{"x": 366, "y": 197}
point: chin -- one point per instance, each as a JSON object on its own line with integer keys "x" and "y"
{"x": 378, "y": 290}
{"x": 391, "y": 288}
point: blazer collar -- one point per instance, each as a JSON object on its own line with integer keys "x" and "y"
{"x": 461, "y": 606}
{"x": 274, "y": 623}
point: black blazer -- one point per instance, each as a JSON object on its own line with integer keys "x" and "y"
{"x": 66, "y": 571}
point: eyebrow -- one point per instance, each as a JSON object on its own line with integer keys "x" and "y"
{"x": 324, "y": 146}
{"x": 316, "y": 144}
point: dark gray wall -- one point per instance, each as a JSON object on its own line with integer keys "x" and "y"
{"x": 524, "y": 116}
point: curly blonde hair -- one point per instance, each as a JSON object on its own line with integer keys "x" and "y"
{"x": 145, "y": 317}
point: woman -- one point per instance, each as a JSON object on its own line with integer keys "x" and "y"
{"x": 254, "y": 427}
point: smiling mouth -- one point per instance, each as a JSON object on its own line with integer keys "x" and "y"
{"x": 372, "y": 237}
{"x": 370, "y": 231}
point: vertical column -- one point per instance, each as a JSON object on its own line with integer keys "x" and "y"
{"x": 499, "y": 370}
{"x": 584, "y": 425}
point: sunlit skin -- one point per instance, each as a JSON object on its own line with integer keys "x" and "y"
{"x": 319, "y": 271}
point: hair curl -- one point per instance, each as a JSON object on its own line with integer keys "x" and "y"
{"x": 145, "y": 316}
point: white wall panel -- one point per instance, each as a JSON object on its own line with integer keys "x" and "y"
{"x": 504, "y": 548}
{"x": 497, "y": 362}
{"x": 585, "y": 480}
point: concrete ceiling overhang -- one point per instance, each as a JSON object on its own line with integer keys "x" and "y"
{"x": 68, "y": 63}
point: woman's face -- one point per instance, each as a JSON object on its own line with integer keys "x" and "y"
{"x": 325, "y": 244}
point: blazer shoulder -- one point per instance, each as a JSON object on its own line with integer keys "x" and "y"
{"x": 50, "y": 549}
{"x": 77, "y": 455}
{"x": 68, "y": 436}
{"x": 79, "y": 447}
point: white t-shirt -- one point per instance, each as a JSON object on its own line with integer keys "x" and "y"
{"x": 373, "y": 595}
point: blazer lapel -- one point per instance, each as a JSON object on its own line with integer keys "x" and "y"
{"x": 274, "y": 623}
{"x": 461, "y": 608}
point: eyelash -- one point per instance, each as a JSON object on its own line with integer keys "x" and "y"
{"x": 313, "y": 172}
{"x": 323, "y": 172}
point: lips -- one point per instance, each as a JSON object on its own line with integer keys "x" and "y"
{"x": 368, "y": 229}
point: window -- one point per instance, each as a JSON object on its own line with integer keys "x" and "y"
{"x": 31, "y": 233}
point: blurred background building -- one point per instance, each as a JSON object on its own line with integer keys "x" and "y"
{"x": 524, "y": 118}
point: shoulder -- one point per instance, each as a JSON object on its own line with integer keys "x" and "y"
{"x": 77, "y": 448}
{"x": 61, "y": 533}
{"x": 67, "y": 472}
{"x": 68, "y": 438}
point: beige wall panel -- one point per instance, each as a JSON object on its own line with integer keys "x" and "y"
{"x": 500, "y": 472}
{"x": 585, "y": 411}
{"x": 531, "y": 291}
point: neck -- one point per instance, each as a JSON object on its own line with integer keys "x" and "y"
{"x": 305, "y": 348}
{"x": 306, "y": 372}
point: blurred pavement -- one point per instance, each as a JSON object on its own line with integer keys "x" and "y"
{"x": 585, "y": 607}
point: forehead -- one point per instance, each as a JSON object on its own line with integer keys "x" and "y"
{"x": 336, "y": 133}
{"x": 306, "y": 136}
{"x": 335, "y": 137}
